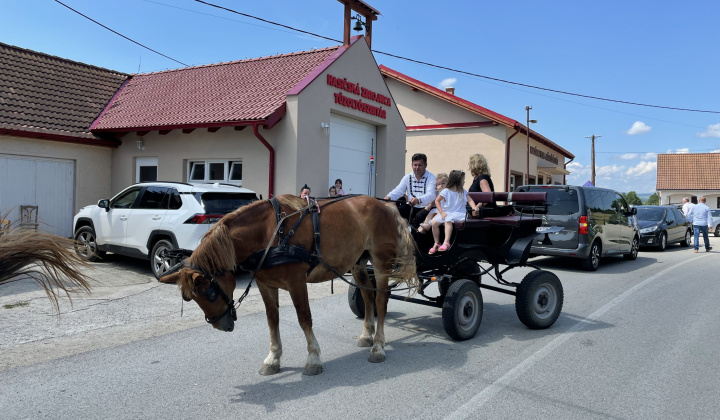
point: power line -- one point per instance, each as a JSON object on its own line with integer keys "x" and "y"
{"x": 118, "y": 33}
{"x": 462, "y": 71}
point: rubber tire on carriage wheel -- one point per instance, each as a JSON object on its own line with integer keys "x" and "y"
{"x": 662, "y": 244}
{"x": 158, "y": 264}
{"x": 86, "y": 246}
{"x": 632, "y": 255}
{"x": 592, "y": 262}
{"x": 539, "y": 299}
{"x": 355, "y": 299}
{"x": 688, "y": 239}
{"x": 462, "y": 310}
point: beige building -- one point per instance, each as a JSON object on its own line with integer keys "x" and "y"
{"x": 449, "y": 129}
{"x": 269, "y": 124}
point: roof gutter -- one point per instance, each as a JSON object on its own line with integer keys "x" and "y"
{"x": 507, "y": 160}
{"x": 565, "y": 167}
{"x": 271, "y": 175}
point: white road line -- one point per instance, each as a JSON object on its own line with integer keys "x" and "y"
{"x": 472, "y": 407}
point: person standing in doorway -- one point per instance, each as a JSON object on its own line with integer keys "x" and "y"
{"x": 701, "y": 218}
{"x": 419, "y": 185}
{"x": 304, "y": 191}
{"x": 338, "y": 187}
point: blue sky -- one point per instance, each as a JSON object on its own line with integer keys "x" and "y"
{"x": 652, "y": 52}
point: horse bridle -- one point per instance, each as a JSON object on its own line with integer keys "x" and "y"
{"x": 212, "y": 293}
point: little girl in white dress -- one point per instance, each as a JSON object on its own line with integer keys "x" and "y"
{"x": 451, "y": 207}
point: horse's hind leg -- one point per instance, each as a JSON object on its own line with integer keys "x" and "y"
{"x": 382, "y": 268}
{"x": 299, "y": 294}
{"x": 360, "y": 274}
{"x": 271, "y": 365}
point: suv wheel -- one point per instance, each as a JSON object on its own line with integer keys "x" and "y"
{"x": 158, "y": 264}
{"x": 592, "y": 262}
{"x": 663, "y": 242}
{"x": 688, "y": 239}
{"x": 634, "y": 250}
{"x": 717, "y": 230}
{"x": 86, "y": 244}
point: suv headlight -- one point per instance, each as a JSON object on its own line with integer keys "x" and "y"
{"x": 649, "y": 229}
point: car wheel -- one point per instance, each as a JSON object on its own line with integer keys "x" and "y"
{"x": 717, "y": 230}
{"x": 86, "y": 244}
{"x": 633, "y": 250}
{"x": 662, "y": 244}
{"x": 688, "y": 239}
{"x": 462, "y": 310}
{"x": 159, "y": 264}
{"x": 539, "y": 299}
{"x": 592, "y": 262}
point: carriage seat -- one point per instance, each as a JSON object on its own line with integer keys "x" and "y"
{"x": 471, "y": 223}
{"x": 519, "y": 199}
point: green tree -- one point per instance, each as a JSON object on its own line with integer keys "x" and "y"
{"x": 632, "y": 199}
{"x": 654, "y": 200}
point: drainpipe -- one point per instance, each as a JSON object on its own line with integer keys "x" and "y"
{"x": 565, "y": 167}
{"x": 507, "y": 160}
{"x": 271, "y": 177}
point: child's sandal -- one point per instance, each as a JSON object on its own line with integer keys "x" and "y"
{"x": 444, "y": 247}
{"x": 424, "y": 227}
{"x": 434, "y": 249}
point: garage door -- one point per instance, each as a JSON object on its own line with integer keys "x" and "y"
{"x": 46, "y": 183}
{"x": 352, "y": 143}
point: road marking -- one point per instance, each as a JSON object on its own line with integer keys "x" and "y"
{"x": 471, "y": 408}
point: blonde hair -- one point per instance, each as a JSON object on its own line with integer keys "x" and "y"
{"x": 478, "y": 165}
{"x": 441, "y": 177}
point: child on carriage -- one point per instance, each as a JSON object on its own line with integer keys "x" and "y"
{"x": 442, "y": 180}
{"x": 450, "y": 208}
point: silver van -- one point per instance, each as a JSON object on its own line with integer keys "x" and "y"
{"x": 596, "y": 222}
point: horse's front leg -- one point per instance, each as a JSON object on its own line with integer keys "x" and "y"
{"x": 361, "y": 277}
{"x": 271, "y": 365}
{"x": 299, "y": 294}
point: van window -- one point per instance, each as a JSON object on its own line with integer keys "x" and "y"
{"x": 619, "y": 204}
{"x": 560, "y": 202}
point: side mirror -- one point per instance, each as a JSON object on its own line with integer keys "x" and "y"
{"x": 104, "y": 204}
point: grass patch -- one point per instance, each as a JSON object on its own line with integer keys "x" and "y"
{"x": 16, "y": 304}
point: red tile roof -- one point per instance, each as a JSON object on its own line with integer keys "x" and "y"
{"x": 688, "y": 171}
{"x": 44, "y": 96}
{"x": 217, "y": 94}
{"x": 472, "y": 107}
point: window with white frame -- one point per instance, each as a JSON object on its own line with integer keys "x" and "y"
{"x": 225, "y": 171}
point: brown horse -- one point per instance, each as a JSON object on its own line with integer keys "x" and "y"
{"x": 23, "y": 251}
{"x": 353, "y": 231}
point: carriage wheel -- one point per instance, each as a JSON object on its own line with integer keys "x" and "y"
{"x": 462, "y": 310}
{"x": 539, "y": 299}
{"x": 355, "y": 299}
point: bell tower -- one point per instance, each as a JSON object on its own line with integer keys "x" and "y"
{"x": 363, "y": 10}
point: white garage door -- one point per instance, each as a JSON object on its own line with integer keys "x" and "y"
{"x": 46, "y": 183}
{"x": 352, "y": 143}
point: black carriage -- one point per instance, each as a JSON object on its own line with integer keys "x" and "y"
{"x": 501, "y": 237}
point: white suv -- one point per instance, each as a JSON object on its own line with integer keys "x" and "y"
{"x": 147, "y": 218}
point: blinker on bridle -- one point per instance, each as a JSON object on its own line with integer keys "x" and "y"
{"x": 212, "y": 293}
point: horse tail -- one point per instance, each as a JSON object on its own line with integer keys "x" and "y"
{"x": 216, "y": 251}
{"x": 405, "y": 270}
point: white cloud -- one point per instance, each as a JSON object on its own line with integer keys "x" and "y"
{"x": 638, "y": 127}
{"x": 712, "y": 131}
{"x": 629, "y": 156}
{"x": 449, "y": 82}
{"x": 642, "y": 168}
{"x": 633, "y": 156}
{"x": 683, "y": 150}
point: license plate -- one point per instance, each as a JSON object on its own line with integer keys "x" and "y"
{"x": 543, "y": 228}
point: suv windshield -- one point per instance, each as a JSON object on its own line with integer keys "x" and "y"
{"x": 650, "y": 214}
{"x": 560, "y": 202}
{"x": 223, "y": 203}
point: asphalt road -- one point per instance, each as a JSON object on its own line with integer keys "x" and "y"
{"x": 635, "y": 340}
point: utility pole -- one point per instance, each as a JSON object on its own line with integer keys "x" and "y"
{"x": 592, "y": 157}
{"x": 527, "y": 168}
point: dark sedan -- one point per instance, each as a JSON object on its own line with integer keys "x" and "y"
{"x": 663, "y": 225}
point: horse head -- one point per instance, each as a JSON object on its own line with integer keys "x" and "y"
{"x": 212, "y": 292}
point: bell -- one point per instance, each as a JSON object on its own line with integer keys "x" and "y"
{"x": 358, "y": 26}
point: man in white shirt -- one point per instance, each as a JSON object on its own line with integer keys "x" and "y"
{"x": 701, "y": 218}
{"x": 419, "y": 185}
{"x": 687, "y": 206}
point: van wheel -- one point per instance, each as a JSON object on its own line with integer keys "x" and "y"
{"x": 688, "y": 239}
{"x": 592, "y": 262}
{"x": 663, "y": 242}
{"x": 634, "y": 250}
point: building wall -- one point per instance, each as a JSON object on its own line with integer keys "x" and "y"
{"x": 92, "y": 164}
{"x": 419, "y": 108}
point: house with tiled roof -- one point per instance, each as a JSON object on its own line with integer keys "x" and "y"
{"x": 449, "y": 129}
{"x": 270, "y": 124}
{"x": 49, "y": 159}
{"x": 690, "y": 175}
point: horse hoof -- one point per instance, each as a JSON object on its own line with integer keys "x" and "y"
{"x": 267, "y": 370}
{"x": 376, "y": 358}
{"x": 365, "y": 342}
{"x": 312, "y": 370}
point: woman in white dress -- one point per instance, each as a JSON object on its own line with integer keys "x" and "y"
{"x": 451, "y": 207}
